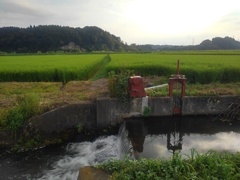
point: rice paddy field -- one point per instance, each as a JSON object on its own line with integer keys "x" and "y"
{"x": 198, "y": 66}
{"x": 49, "y": 68}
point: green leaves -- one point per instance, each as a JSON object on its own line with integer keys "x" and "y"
{"x": 118, "y": 85}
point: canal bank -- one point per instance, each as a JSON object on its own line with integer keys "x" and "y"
{"x": 104, "y": 115}
{"x": 106, "y": 112}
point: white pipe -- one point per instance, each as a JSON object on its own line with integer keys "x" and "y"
{"x": 153, "y": 87}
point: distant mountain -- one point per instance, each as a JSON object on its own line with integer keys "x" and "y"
{"x": 216, "y": 43}
{"x": 220, "y": 43}
{"x": 57, "y": 38}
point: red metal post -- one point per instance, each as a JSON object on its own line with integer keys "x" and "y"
{"x": 136, "y": 87}
{"x": 177, "y": 78}
{"x": 178, "y": 67}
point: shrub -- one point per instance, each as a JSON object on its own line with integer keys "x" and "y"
{"x": 118, "y": 84}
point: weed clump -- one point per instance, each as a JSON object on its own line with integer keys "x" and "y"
{"x": 26, "y": 107}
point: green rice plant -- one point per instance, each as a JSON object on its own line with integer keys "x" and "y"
{"x": 203, "y": 52}
{"x": 56, "y": 68}
{"x": 198, "y": 67}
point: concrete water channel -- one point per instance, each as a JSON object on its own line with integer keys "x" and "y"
{"x": 158, "y": 135}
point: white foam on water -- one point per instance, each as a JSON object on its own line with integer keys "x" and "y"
{"x": 83, "y": 154}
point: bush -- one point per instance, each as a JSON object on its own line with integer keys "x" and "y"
{"x": 118, "y": 84}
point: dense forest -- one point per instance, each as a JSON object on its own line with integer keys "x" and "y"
{"x": 57, "y": 38}
{"x": 49, "y": 38}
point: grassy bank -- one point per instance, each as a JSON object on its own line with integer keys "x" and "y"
{"x": 53, "y": 94}
{"x": 211, "y": 89}
{"x": 212, "y": 165}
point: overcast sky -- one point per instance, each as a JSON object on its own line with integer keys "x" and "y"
{"x": 175, "y": 22}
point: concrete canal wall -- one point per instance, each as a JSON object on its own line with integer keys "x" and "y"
{"x": 107, "y": 112}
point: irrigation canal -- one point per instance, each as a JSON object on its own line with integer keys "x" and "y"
{"x": 138, "y": 138}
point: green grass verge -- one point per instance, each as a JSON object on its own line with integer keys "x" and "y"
{"x": 100, "y": 70}
{"x": 211, "y": 89}
{"x": 212, "y": 165}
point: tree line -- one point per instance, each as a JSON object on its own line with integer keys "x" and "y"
{"x": 52, "y": 38}
{"x": 45, "y": 38}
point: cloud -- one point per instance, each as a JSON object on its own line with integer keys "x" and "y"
{"x": 21, "y": 13}
{"x": 227, "y": 25}
{"x": 135, "y": 21}
{"x": 231, "y": 19}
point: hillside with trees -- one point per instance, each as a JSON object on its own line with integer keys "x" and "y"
{"x": 58, "y": 38}
{"x": 53, "y": 38}
{"x": 220, "y": 43}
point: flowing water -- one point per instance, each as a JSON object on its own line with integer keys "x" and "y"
{"x": 59, "y": 163}
{"x": 138, "y": 138}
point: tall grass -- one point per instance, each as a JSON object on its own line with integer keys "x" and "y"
{"x": 198, "y": 68}
{"x": 26, "y": 107}
{"x": 212, "y": 165}
{"x": 56, "y": 68}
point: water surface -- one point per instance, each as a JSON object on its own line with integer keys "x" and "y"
{"x": 138, "y": 138}
{"x": 163, "y": 136}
